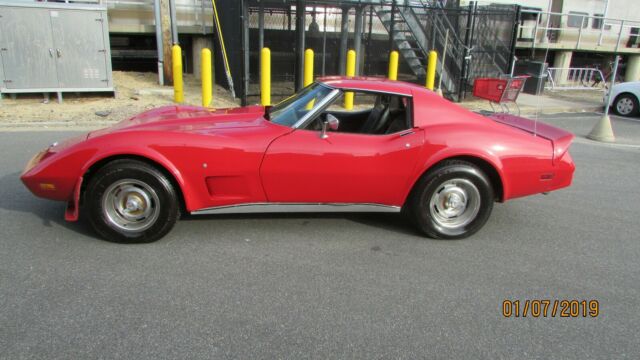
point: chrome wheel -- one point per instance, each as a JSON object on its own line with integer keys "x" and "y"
{"x": 454, "y": 204}
{"x": 130, "y": 205}
{"x": 625, "y": 106}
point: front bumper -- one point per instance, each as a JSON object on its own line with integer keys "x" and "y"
{"x": 44, "y": 179}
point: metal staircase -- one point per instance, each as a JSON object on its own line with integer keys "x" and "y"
{"x": 418, "y": 26}
{"x": 409, "y": 46}
{"x": 407, "y": 27}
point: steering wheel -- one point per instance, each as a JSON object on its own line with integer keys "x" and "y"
{"x": 316, "y": 124}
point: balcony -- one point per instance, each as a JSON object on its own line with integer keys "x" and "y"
{"x": 137, "y": 16}
{"x": 576, "y": 31}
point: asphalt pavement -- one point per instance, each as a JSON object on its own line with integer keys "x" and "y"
{"x": 626, "y": 130}
{"x": 326, "y": 286}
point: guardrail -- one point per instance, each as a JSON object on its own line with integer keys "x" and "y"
{"x": 575, "y": 30}
{"x": 575, "y": 79}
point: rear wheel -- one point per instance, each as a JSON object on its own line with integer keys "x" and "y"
{"x": 452, "y": 201}
{"x": 626, "y": 105}
{"x": 130, "y": 201}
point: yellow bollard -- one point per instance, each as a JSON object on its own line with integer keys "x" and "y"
{"x": 207, "y": 81}
{"x": 431, "y": 70}
{"x": 351, "y": 71}
{"x": 308, "y": 67}
{"x": 265, "y": 77}
{"x": 393, "y": 65}
{"x": 308, "y": 74}
{"x": 178, "y": 87}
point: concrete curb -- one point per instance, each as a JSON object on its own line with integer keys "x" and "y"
{"x": 545, "y": 110}
{"x": 557, "y": 110}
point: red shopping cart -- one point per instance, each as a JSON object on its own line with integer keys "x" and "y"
{"x": 499, "y": 91}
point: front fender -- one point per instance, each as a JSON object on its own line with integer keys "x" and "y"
{"x": 143, "y": 152}
{"x": 60, "y": 175}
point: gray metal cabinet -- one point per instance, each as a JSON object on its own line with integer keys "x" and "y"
{"x": 46, "y": 47}
{"x": 80, "y": 48}
{"x": 26, "y": 58}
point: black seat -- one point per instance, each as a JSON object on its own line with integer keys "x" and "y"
{"x": 378, "y": 117}
{"x": 397, "y": 116}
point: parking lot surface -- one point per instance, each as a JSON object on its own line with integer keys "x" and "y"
{"x": 325, "y": 286}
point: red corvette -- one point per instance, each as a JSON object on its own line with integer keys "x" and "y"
{"x": 400, "y": 147}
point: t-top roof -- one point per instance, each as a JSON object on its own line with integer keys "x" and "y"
{"x": 369, "y": 83}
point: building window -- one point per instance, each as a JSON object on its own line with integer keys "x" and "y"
{"x": 578, "y": 19}
{"x": 597, "y": 22}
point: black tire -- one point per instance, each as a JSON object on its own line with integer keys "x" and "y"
{"x": 626, "y": 105}
{"x": 451, "y": 183}
{"x": 151, "y": 204}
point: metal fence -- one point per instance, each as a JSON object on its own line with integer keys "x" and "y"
{"x": 474, "y": 41}
{"x": 575, "y": 79}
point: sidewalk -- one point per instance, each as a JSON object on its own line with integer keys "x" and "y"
{"x": 135, "y": 93}
{"x": 548, "y": 103}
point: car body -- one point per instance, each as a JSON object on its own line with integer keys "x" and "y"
{"x": 624, "y": 98}
{"x": 288, "y": 158}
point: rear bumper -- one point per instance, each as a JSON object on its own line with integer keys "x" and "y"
{"x": 563, "y": 173}
{"x": 543, "y": 178}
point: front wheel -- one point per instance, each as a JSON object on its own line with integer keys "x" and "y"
{"x": 129, "y": 201}
{"x": 626, "y": 105}
{"x": 452, "y": 201}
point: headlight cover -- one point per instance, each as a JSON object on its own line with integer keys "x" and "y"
{"x": 36, "y": 159}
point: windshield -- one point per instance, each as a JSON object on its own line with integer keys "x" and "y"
{"x": 291, "y": 110}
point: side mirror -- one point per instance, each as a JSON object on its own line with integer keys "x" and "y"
{"x": 331, "y": 123}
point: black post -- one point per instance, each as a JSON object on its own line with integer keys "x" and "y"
{"x": 245, "y": 53}
{"x": 368, "y": 47}
{"x": 324, "y": 42}
{"x": 392, "y": 24}
{"x": 261, "y": 26}
{"x": 514, "y": 39}
{"x": 434, "y": 30}
{"x": 357, "y": 37}
{"x": 344, "y": 40}
{"x": 300, "y": 24}
{"x": 468, "y": 41}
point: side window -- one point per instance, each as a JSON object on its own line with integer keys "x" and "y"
{"x": 597, "y": 21}
{"x": 371, "y": 113}
{"x": 578, "y": 19}
{"x": 361, "y": 102}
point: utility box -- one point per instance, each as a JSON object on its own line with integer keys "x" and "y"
{"x": 54, "y": 48}
{"x": 537, "y": 72}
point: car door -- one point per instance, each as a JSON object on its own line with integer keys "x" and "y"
{"x": 302, "y": 167}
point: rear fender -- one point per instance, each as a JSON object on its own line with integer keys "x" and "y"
{"x": 449, "y": 153}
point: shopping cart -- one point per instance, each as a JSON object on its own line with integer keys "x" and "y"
{"x": 500, "y": 91}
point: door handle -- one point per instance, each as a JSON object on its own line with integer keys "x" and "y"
{"x": 59, "y": 52}
{"x": 50, "y": 52}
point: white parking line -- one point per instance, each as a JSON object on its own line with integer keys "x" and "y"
{"x": 581, "y": 140}
{"x": 587, "y": 115}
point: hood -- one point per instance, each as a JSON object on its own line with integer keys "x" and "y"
{"x": 190, "y": 119}
{"x": 627, "y": 84}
